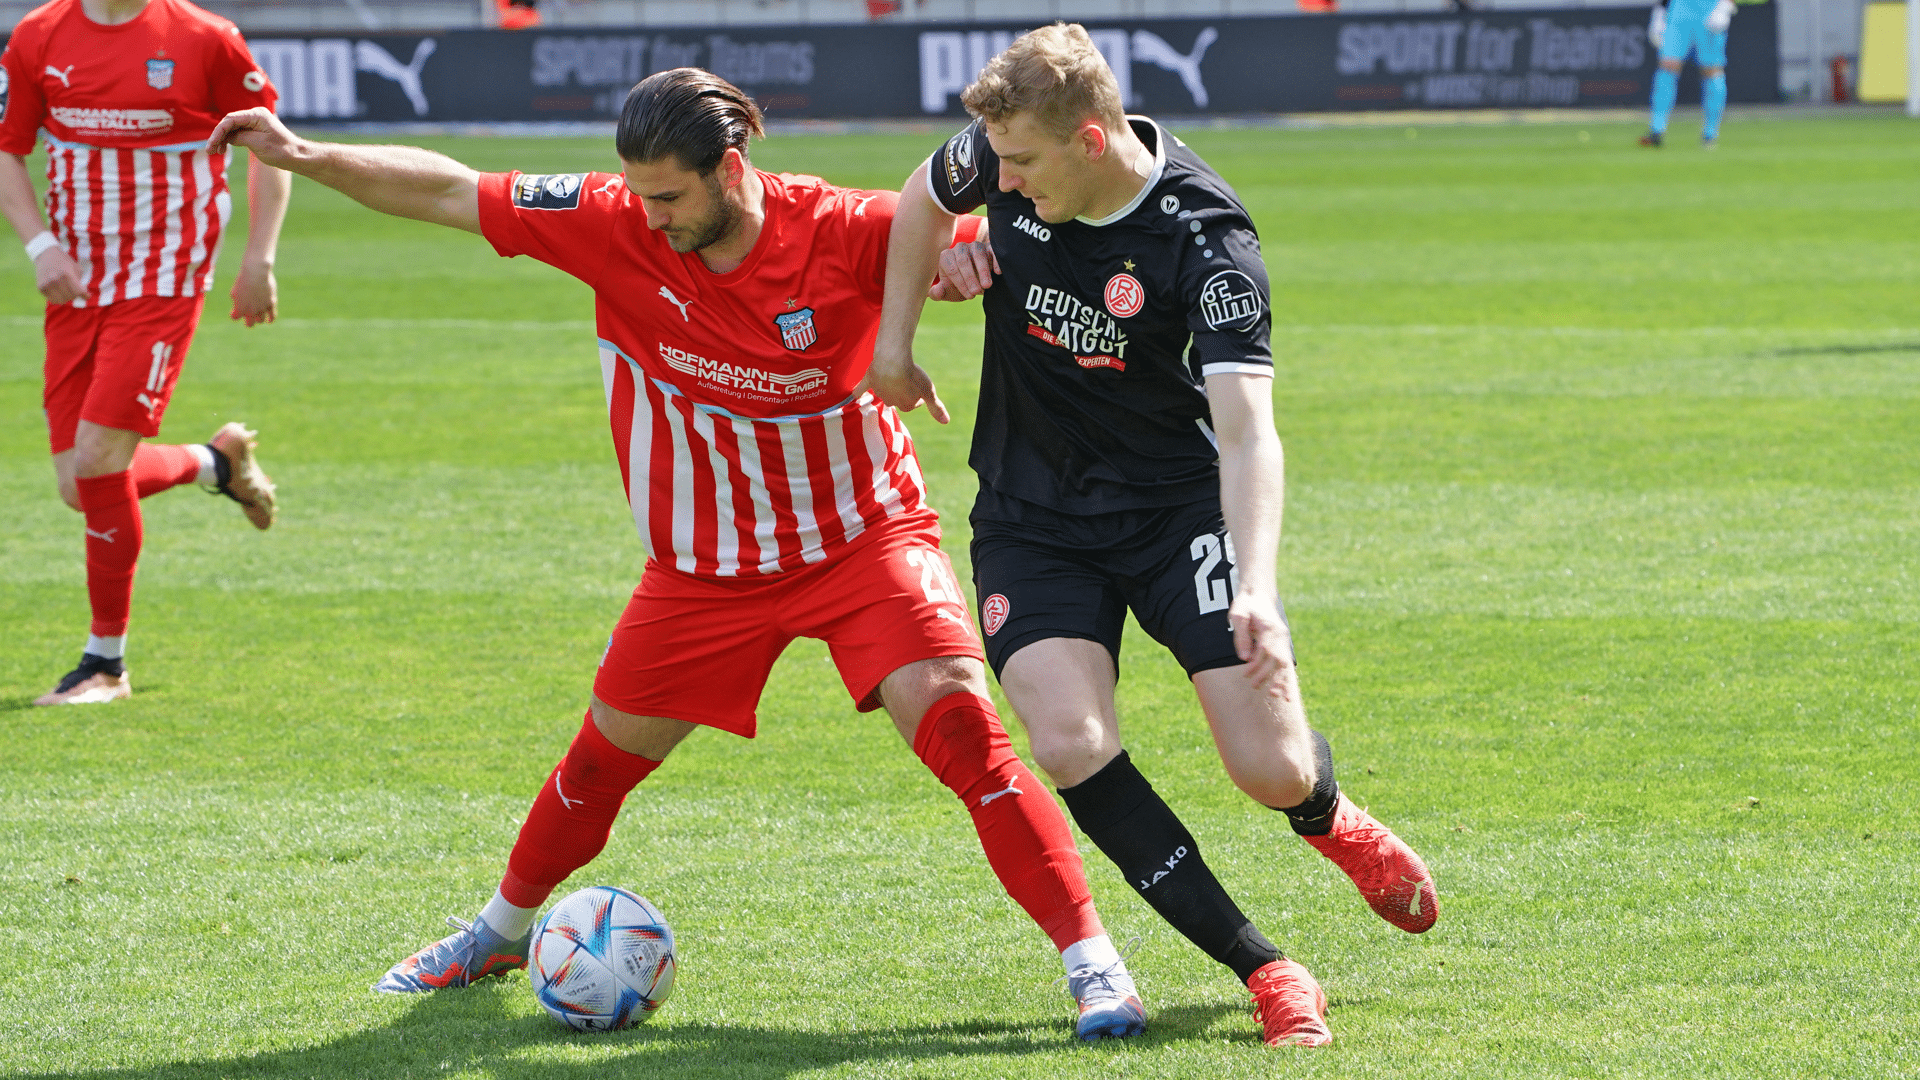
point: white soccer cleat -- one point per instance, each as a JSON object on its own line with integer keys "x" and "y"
{"x": 95, "y": 682}
{"x": 245, "y": 482}
{"x": 1109, "y": 1004}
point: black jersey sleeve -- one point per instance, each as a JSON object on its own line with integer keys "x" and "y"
{"x": 962, "y": 171}
{"x": 1223, "y": 284}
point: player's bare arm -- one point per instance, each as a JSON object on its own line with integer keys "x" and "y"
{"x": 256, "y": 296}
{"x": 54, "y": 272}
{"x": 921, "y": 229}
{"x": 404, "y": 181}
{"x": 1252, "y": 490}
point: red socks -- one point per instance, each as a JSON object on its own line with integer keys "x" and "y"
{"x": 961, "y": 740}
{"x": 572, "y": 816}
{"x": 157, "y": 467}
{"x": 1023, "y": 832}
{"x": 112, "y": 510}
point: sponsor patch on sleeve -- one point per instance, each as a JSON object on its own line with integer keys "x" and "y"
{"x": 3, "y": 91}
{"x": 559, "y": 191}
{"x": 962, "y": 160}
{"x": 1230, "y": 301}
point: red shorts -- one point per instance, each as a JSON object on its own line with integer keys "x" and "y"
{"x": 700, "y": 649}
{"x": 115, "y": 365}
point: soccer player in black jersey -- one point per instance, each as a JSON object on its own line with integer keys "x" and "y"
{"x": 1128, "y": 460}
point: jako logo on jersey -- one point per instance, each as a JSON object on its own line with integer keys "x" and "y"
{"x": 1033, "y": 228}
{"x": 993, "y": 611}
{"x": 796, "y": 329}
{"x": 556, "y": 192}
{"x": 1124, "y": 295}
{"x": 741, "y": 377}
{"x": 1229, "y": 301}
{"x": 1178, "y": 854}
{"x": 160, "y": 74}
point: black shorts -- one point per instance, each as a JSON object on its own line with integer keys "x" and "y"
{"x": 1043, "y": 574}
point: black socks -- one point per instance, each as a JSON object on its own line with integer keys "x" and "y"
{"x": 222, "y": 468}
{"x": 93, "y": 664}
{"x": 1315, "y": 816}
{"x": 1119, "y": 811}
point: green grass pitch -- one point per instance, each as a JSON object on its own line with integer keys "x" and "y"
{"x": 1600, "y": 551}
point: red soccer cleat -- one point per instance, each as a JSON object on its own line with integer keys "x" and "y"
{"x": 1392, "y": 879}
{"x": 1291, "y": 1007}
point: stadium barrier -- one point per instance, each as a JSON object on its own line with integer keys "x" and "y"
{"x": 1516, "y": 59}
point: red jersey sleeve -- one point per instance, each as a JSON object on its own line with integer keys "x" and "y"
{"x": 21, "y": 103}
{"x": 565, "y": 220}
{"x": 870, "y": 220}
{"x": 237, "y": 81}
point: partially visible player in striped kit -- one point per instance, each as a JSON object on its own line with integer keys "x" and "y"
{"x": 736, "y": 311}
{"x": 124, "y": 93}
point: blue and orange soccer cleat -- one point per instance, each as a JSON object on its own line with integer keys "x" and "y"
{"x": 1291, "y": 1007}
{"x": 471, "y": 953}
{"x": 1110, "y": 1007}
{"x": 1391, "y": 877}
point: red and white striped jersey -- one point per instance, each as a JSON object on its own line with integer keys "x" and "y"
{"x": 125, "y": 111}
{"x": 742, "y": 442}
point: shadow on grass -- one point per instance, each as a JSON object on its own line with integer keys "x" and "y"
{"x": 1846, "y": 350}
{"x": 477, "y": 1031}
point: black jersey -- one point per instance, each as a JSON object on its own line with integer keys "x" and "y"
{"x": 1100, "y": 334}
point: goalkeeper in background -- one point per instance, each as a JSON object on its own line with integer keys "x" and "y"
{"x": 1676, "y": 29}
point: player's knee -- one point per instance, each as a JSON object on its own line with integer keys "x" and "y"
{"x": 909, "y": 692}
{"x": 70, "y": 494}
{"x": 1670, "y": 65}
{"x": 1070, "y": 749}
{"x": 1711, "y": 72}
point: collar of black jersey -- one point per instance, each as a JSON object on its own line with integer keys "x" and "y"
{"x": 1150, "y": 133}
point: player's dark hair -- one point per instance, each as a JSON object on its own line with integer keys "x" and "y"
{"x": 688, "y": 114}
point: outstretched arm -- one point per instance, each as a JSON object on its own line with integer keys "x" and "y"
{"x": 404, "y": 181}
{"x": 921, "y": 229}
{"x": 1252, "y": 487}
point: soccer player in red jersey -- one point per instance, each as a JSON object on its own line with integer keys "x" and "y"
{"x": 125, "y": 93}
{"x": 776, "y": 497}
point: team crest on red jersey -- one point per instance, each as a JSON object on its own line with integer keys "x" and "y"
{"x": 1125, "y": 296}
{"x": 796, "y": 329}
{"x": 993, "y": 611}
{"x": 160, "y": 74}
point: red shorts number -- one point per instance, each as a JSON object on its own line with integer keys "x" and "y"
{"x": 700, "y": 649}
{"x": 115, "y": 365}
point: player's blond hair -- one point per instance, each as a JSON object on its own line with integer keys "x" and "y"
{"x": 1056, "y": 74}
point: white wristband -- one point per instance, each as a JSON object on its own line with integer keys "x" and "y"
{"x": 40, "y": 243}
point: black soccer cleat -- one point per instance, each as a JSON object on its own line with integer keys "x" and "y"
{"x": 1653, "y": 139}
